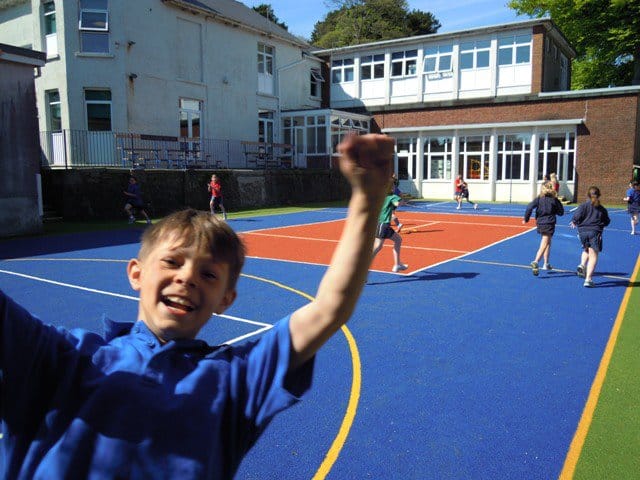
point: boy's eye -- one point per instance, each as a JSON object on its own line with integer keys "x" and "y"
{"x": 169, "y": 261}
{"x": 210, "y": 275}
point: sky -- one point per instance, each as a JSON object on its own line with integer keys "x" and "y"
{"x": 301, "y": 15}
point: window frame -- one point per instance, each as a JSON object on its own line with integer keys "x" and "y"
{"x": 408, "y": 58}
{"x": 445, "y": 156}
{"x": 266, "y": 58}
{"x": 479, "y": 47}
{"x": 515, "y": 45}
{"x": 315, "y": 82}
{"x": 88, "y": 102}
{"x": 465, "y": 165}
{"x": 370, "y": 62}
{"x": 438, "y": 53}
{"x": 339, "y": 68}
{"x": 504, "y": 154}
{"x": 95, "y": 33}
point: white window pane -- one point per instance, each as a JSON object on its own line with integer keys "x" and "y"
{"x": 365, "y": 72}
{"x": 336, "y": 76}
{"x": 348, "y": 74}
{"x": 378, "y": 70}
{"x": 94, "y": 42}
{"x": 505, "y": 56}
{"x": 93, "y": 20}
{"x": 411, "y": 67}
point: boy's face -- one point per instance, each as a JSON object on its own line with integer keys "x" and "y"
{"x": 180, "y": 288}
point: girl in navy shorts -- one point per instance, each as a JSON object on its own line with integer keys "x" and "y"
{"x": 590, "y": 218}
{"x": 547, "y": 207}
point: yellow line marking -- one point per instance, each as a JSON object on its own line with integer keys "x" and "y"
{"x": 575, "y": 449}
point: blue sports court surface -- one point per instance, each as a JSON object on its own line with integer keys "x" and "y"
{"x": 466, "y": 366}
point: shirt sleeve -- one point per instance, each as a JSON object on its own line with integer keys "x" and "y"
{"x": 269, "y": 386}
{"x": 33, "y": 357}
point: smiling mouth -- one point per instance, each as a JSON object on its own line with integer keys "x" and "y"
{"x": 178, "y": 303}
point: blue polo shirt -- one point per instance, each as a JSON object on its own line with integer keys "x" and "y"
{"x": 77, "y": 405}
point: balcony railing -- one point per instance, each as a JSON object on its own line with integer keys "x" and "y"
{"x": 85, "y": 149}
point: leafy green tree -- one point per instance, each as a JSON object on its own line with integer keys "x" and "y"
{"x": 266, "y": 10}
{"x": 360, "y": 21}
{"x": 605, "y": 34}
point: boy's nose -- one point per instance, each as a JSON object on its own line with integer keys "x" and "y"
{"x": 187, "y": 275}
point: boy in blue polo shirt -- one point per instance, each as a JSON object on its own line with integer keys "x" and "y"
{"x": 149, "y": 400}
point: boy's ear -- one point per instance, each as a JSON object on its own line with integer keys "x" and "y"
{"x": 133, "y": 272}
{"x": 227, "y": 300}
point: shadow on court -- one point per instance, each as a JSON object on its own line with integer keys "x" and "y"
{"x": 426, "y": 276}
{"x": 46, "y": 245}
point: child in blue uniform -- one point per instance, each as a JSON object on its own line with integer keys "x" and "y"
{"x": 633, "y": 204}
{"x": 590, "y": 218}
{"x": 134, "y": 200}
{"x": 149, "y": 400}
{"x": 547, "y": 207}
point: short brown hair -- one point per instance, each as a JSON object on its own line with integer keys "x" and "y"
{"x": 203, "y": 230}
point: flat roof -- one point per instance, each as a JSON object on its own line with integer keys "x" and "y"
{"x": 11, "y": 53}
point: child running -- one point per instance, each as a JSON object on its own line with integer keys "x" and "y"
{"x": 215, "y": 188}
{"x": 134, "y": 200}
{"x": 150, "y": 400}
{"x": 384, "y": 230}
{"x": 547, "y": 207}
{"x": 591, "y": 218}
{"x": 461, "y": 190}
{"x": 633, "y": 204}
{"x": 396, "y": 191}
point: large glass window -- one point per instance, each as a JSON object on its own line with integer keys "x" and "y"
{"x": 316, "y": 134}
{"x": 473, "y": 160}
{"x": 437, "y": 158}
{"x": 437, "y": 59}
{"x": 514, "y": 50}
{"x": 407, "y": 153}
{"x": 265, "y": 59}
{"x": 98, "y": 105}
{"x": 514, "y": 155}
{"x": 49, "y": 10}
{"x": 265, "y": 126}
{"x": 556, "y": 154}
{"x": 343, "y": 126}
{"x": 55, "y": 117}
{"x": 474, "y": 54}
{"x": 190, "y": 114}
{"x": 342, "y": 70}
{"x": 403, "y": 64}
{"x": 94, "y": 26}
{"x": 372, "y": 66}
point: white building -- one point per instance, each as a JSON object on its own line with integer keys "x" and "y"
{"x": 169, "y": 81}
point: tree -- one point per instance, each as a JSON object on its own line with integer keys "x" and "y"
{"x": 605, "y": 34}
{"x": 361, "y": 21}
{"x": 266, "y": 10}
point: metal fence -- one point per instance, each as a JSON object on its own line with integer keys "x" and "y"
{"x": 87, "y": 149}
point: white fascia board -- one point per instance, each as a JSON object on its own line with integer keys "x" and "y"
{"x": 485, "y": 126}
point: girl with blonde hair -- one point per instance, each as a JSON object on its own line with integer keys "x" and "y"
{"x": 547, "y": 207}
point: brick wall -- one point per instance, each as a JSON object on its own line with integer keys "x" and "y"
{"x": 607, "y": 143}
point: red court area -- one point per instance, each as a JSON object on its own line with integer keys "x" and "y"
{"x": 427, "y": 239}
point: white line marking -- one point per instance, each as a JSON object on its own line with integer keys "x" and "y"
{"x": 118, "y": 295}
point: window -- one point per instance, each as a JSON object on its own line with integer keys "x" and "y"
{"x": 514, "y": 50}
{"x": 50, "y": 29}
{"x": 372, "y": 66}
{"x": 437, "y": 59}
{"x": 98, "y": 105}
{"x": 473, "y": 162}
{"x": 55, "y": 117}
{"x": 316, "y": 81}
{"x": 406, "y": 153}
{"x": 265, "y": 59}
{"x": 94, "y": 26}
{"x": 316, "y": 135}
{"x": 514, "y": 157}
{"x": 556, "y": 154}
{"x": 342, "y": 70}
{"x": 474, "y": 54}
{"x": 265, "y": 126}
{"x": 403, "y": 64}
{"x": 190, "y": 113}
{"x": 343, "y": 126}
{"x": 437, "y": 158}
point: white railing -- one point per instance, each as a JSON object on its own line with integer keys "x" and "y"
{"x": 85, "y": 149}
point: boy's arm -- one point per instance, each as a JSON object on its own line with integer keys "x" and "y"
{"x": 366, "y": 162}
